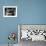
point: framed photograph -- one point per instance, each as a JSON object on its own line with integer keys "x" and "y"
{"x": 31, "y": 32}
{"x": 9, "y": 11}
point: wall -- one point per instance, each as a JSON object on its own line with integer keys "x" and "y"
{"x": 29, "y": 12}
{"x": 7, "y": 25}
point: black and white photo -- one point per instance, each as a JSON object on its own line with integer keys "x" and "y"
{"x": 10, "y": 11}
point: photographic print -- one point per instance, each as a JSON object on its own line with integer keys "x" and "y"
{"x": 32, "y": 32}
{"x": 9, "y": 11}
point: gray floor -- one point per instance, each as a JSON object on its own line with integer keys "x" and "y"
{"x": 30, "y": 43}
{"x": 7, "y": 45}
